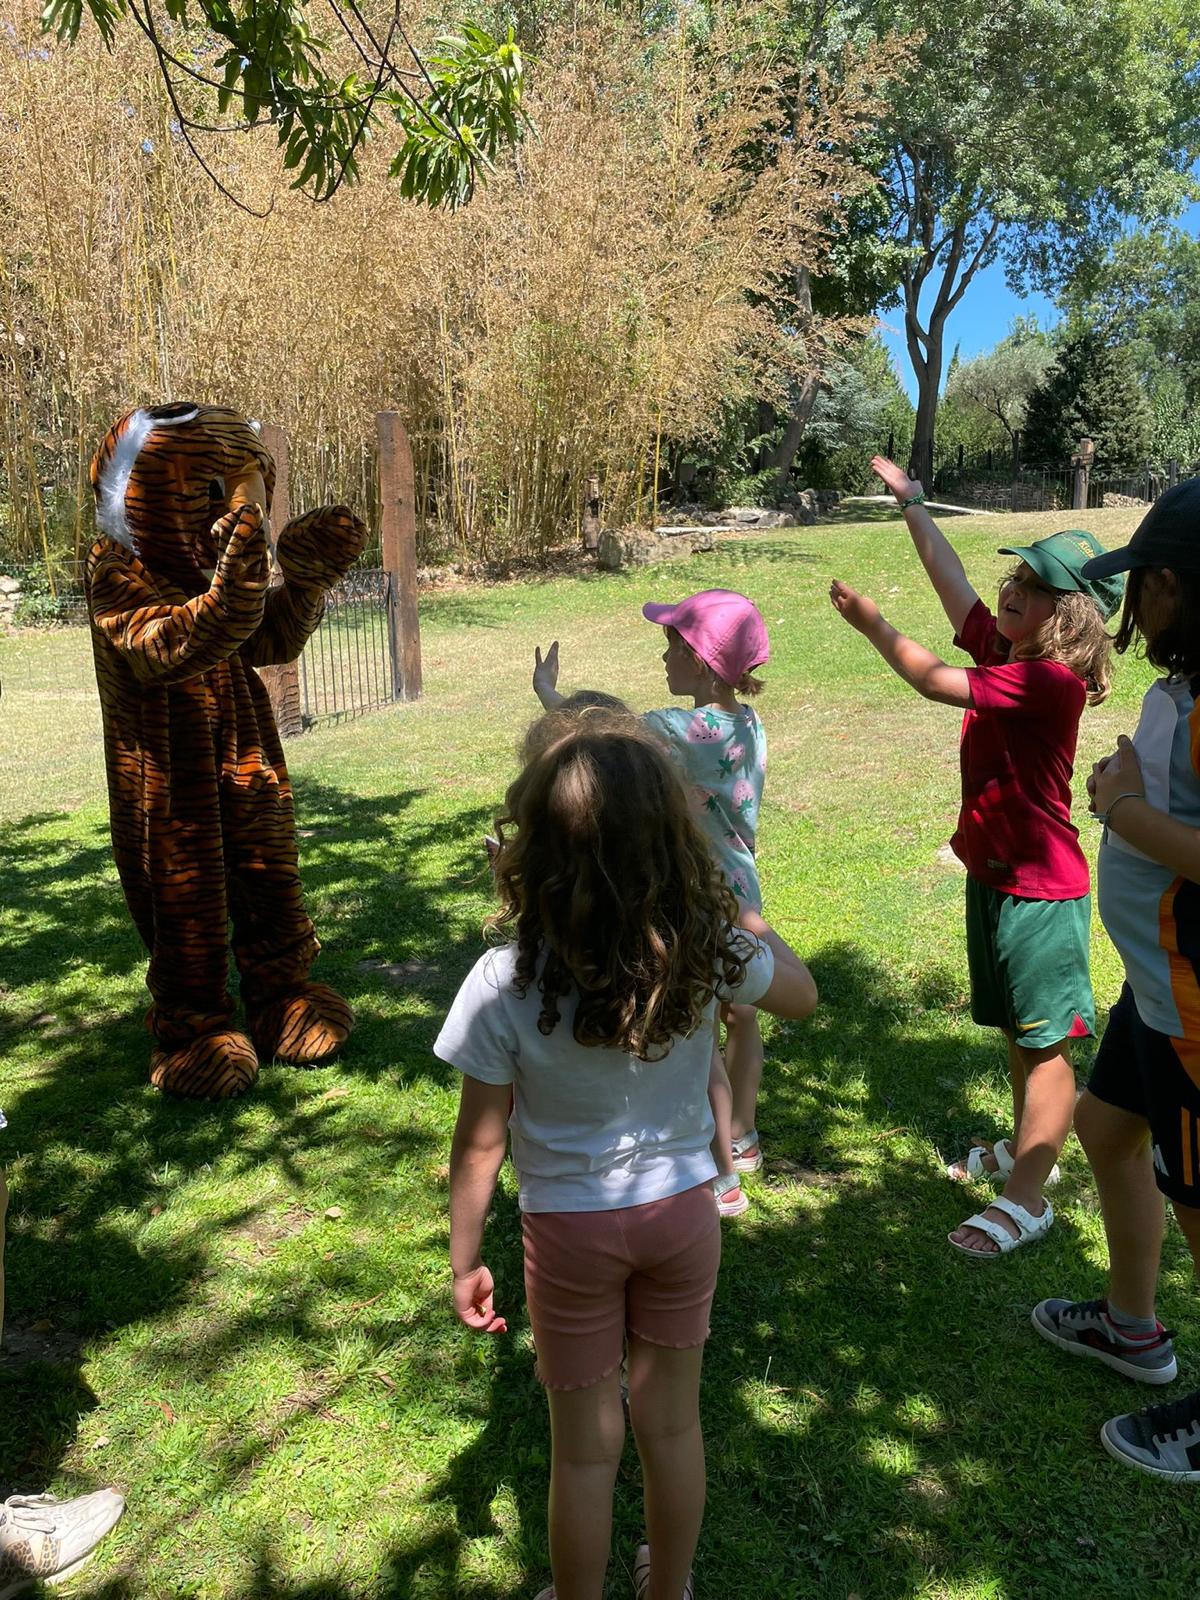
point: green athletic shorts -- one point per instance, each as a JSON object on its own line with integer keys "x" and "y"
{"x": 1028, "y": 961}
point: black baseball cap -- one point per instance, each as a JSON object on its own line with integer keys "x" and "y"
{"x": 1167, "y": 536}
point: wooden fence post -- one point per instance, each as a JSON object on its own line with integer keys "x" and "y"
{"x": 589, "y": 525}
{"x": 398, "y": 529}
{"x": 282, "y": 683}
{"x": 1081, "y": 472}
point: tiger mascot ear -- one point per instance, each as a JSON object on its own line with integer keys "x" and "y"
{"x": 113, "y": 464}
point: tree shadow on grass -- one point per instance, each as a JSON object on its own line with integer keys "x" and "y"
{"x": 881, "y": 1419}
{"x": 880, "y": 1415}
{"x": 95, "y": 1154}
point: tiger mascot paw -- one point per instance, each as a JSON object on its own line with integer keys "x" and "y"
{"x": 215, "y": 1066}
{"x": 303, "y": 1028}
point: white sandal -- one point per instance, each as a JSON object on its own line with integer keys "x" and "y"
{"x": 641, "y": 1575}
{"x": 1029, "y": 1229}
{"x": 749, "y": 1141}
{"x": 1004, "y": 1165}
{"x": 724, "y": 1186}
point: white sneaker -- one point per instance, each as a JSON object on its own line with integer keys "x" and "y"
{"x": 44, "y": 1539}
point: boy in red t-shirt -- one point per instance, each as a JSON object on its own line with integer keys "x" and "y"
{"x": 1037, "y": 663}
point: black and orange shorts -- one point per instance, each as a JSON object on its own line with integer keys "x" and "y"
{"x": 1138, "y": 1069}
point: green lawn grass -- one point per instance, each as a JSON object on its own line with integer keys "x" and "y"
{"x": 238, "y": 1313}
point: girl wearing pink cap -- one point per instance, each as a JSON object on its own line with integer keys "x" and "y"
{"x": 715, "y": 640}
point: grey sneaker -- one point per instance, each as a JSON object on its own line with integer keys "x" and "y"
{"x": 43, "y": 1539}
{"x": 1084, "y": 1328}
{"x": 1163, "y": 1440}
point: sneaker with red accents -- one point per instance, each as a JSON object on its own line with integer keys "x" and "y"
{"x": 1084, "y": 1328}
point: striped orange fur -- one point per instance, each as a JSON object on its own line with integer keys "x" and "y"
{"x": 182, "y": 611}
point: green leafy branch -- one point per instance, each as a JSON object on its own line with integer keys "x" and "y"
{"x": 457, "y": 111}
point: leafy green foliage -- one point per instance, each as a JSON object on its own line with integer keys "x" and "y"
{"x": 861, "y": 402}
{"x": 1092, "y": 391}
{"x": 473, "y": 113}
{"x": 996, "y": 385}
{"x": 1029, "y": 131}
{"x": 1175, "y": 426}
{"x": 274, "y": 69}
{"x": 1145, "y": 293}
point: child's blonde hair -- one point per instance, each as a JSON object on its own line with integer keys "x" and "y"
{"x": 746, "y": 684}
{"x": 1073, "y": 634}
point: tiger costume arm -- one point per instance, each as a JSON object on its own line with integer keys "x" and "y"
{"x": 315, "y": 552}
{"x": 165, "y": 643}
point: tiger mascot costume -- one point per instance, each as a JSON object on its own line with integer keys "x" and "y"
{"x": 182, "y": 611}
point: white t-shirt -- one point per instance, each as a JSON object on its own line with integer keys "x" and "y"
{"x": 593, "y": 1129}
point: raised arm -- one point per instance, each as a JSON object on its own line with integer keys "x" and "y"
{"x": 545, "y": 677}
{"x": 315, "y": 552}
{"x": 928, "y": 674}
{"x": 165, "y": 643}
{"x": 938, "y": 556}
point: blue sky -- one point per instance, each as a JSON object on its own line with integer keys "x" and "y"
{"x": 985, "y": 312}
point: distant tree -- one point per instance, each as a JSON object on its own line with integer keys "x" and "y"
{"x": 1000, "y": 381}
{"x": 1028, "y": 131}
{"x": 1146, "y": 294}
{"x": 1092, "y": 391}
{"x": 861, "y": 402}
{"x": 1175, "y": 425}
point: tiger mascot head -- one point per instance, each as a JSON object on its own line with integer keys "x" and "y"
{"x": 165, "y": 474}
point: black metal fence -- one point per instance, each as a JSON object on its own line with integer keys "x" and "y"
{"x": 346, "y": 669}
{"x": 1002, "y": 480}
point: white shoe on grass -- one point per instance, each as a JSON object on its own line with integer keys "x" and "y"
{"x": 44, "y": 1539}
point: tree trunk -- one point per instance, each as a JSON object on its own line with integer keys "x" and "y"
{"x": 928, "y": 369}
{"x": 806, "y": 396}
{"x": 785, "y": 452}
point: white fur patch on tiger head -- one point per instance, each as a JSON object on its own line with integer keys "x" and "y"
{"x": 112, "y": 481}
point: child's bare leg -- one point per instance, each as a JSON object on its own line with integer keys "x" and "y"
{"x": 720, "y": 1100}
{"x": 1049, "y": 1102}
{"x": 664, "y": 1407}
{"x": 1117, "y": 1144}
{"x": 743, "y": 1063}
{"x": 1016, "y": 1075}
{"x": 587, "y": 1428}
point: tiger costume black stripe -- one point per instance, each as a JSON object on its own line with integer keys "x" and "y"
{"x": 201, "y": 806}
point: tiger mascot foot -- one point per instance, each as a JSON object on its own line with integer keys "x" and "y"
{"x": 303, "y": 1028}
{"x": 216, "y": 1066}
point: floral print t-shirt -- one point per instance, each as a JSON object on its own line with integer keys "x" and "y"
{"x": 724, "y": 757}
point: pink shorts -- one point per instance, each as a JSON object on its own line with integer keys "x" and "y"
{"x": 593, "y": 1276}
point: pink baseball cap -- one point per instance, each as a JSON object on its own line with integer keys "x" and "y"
{"x": 724, "y": 629}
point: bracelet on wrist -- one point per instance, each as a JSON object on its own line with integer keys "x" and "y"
{"x": 917, "y": 499}
{"x": 1129, "y": 794}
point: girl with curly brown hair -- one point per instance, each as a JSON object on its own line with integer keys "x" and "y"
{"x": 595, "y": 1018}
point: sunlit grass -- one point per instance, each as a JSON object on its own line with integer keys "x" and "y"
{"x": 281, "y": 1389}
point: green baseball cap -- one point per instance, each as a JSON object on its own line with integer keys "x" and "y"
{"x": 1060, "y": 561}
